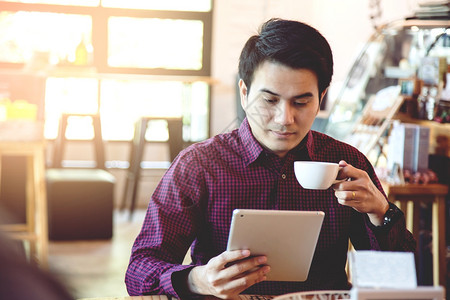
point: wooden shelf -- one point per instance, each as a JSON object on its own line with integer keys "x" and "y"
{"x": 35, "y": 229}
{"x": 91, "y": 72}
{"x": 409, "y": 197}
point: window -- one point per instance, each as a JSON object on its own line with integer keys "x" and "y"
{"x": 122, "y": 59}
{"x": 181, "y": 5}
{"x": 158, "y": 45}
{"x": 60, "y": 2}
{"x": 43, "y": 38}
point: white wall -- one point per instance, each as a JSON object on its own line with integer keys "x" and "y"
{"x": 345, "y": 24}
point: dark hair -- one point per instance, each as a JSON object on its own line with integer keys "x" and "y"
{"x": 290, "y": 43}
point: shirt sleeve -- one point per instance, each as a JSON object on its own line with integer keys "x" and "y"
{"x": 168, "y": 230}
{"x": 365, "y": 236}
{"x": 393, "y": 238}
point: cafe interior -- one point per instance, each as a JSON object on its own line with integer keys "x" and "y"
{"x": 97, "y": 98}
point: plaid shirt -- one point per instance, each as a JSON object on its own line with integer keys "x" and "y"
{"x": 192, "y": 207}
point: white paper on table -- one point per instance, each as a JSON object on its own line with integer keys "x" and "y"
{"x": 382, "y": 269}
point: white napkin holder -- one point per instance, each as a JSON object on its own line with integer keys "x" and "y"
{"x": 387, "y": 275}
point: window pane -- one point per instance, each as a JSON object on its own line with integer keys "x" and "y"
{"x": 199, "y": 112}
{"x": 161, "y": 43}
{"x": 123, "y": 102}
{"x": 60, "y": 2}
{"x": 180, "y": 5}
{"x": 40, "y": 38}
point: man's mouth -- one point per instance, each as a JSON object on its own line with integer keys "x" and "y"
{"x": 282, "y": 134}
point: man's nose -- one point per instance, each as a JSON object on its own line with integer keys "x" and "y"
{"x": 284, "y": 114}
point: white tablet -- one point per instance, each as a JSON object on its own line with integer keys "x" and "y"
{"x": 287, "y": 238}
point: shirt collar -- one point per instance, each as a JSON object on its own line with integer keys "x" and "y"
{"x": 252, "y": 149}
{"x": 310, "y": 145}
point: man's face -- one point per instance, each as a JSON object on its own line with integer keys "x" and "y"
{"x": 281, "y": 106}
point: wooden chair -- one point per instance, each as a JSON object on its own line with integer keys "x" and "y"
{"x": 76, "y": 194}
{"x": 61, "y": 140}
{"x": 175, "y": 141}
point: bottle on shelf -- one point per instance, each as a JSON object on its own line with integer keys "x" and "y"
{"x": 84, "y": 53}
{"x": 431, "y": 104}
{"x": 81, "y": 54}
{"x": 422, "y": 102}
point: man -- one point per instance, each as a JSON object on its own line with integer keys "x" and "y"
{"x": 285, "y": 71}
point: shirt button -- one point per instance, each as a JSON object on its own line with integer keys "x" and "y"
{"x": 283, "y": 176}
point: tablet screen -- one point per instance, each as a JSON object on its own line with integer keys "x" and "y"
{"x": 287, "y": 238}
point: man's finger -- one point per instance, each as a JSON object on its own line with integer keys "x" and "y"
{"x": 227, "y": 257}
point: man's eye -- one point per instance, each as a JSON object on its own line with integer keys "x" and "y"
{"x": 300, "y": 103}
{"x": 270, "y": 100}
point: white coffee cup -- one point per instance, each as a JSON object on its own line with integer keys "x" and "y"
{"x": 316, "y": 175}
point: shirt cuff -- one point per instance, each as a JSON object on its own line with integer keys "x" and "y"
{"x": 170, "y": 281}
{"x": 384, "y": 229}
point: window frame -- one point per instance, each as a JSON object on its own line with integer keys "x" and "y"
{"x": 100, "y": 17}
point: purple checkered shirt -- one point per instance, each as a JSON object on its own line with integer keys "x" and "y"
{"x": 192, "y": 207}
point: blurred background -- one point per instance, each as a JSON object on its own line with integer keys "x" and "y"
{"x": 120, "y": 87}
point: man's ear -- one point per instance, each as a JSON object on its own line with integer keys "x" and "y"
{"x": 243, "y": 94}
{"x": 322, "y": 95}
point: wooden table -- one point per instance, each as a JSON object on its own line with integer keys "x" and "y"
{"x": 35, "y": 229}
{"x": 331, "y": 295}
{"x": 154, "y": 297}
{"x": 406, "y": 197}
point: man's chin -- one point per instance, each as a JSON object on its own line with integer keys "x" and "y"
{"x": 282, "y": 148}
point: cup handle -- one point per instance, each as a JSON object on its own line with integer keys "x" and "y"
{"x": 341, "y": 180}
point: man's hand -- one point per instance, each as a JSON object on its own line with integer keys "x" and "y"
{"x": 228, "y": 274}
{"x": 360, "y": 193}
